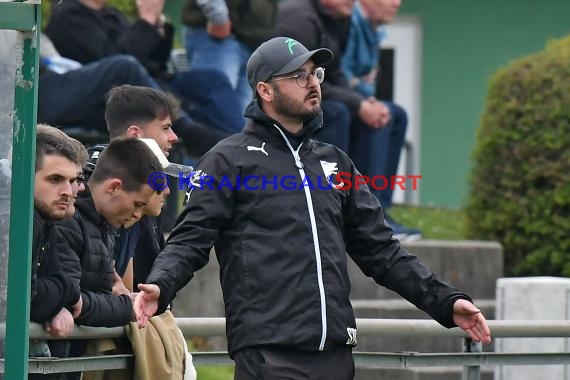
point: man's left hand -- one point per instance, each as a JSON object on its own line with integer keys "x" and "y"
{"x": 470, "y": 319}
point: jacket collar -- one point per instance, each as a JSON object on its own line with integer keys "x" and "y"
{"x": 86, "y": 206}
{"x": 38, "y": 219}
{"x": 262, "y": 126}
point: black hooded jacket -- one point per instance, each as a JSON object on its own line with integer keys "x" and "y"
{"x": 282, "y": 235}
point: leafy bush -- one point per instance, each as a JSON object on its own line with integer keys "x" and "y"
{"x": 520, "y": 183}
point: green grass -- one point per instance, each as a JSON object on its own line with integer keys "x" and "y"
{"x": 435, "y": 223}
{"x": 215, "y": 373}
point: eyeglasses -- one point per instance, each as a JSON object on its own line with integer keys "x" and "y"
{"x": 304, "y": 77}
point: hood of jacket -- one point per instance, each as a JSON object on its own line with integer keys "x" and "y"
{"x": 257, "y": 117}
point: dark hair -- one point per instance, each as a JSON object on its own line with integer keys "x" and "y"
{"x": 136, "y": 105}
{"x": 127, "y": 159}
{"x": 50, "y": 140}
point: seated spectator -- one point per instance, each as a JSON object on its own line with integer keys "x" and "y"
{"x": 360, "y": 66}
{"x": 55, "y": 296}
{"x": 362, "y": 53}
{"x": 88, "y": 30}
{"x": 72, "y": 94}
{"x": 377, "y": 132}
{"x": 221, "y": 35}
{"x": 118, "y": 192}
{"x": 133, "y": 111}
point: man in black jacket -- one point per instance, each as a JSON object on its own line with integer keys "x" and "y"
{"x": 141, "y": 112}
{"x": 283, "y": 211}
{"x": 118, "y": 192}
{"x": 55, "y": 297}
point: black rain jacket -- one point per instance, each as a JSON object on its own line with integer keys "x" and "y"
{"x": 282, "y": 235}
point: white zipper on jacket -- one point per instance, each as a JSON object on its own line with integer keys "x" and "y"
{"x": 299, "y": 166}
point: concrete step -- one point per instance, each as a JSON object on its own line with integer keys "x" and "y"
{"x": 444, "y": 373}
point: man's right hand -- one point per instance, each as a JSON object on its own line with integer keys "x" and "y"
{"x": 61, "y": 325}
{"x": 146, "y": 303}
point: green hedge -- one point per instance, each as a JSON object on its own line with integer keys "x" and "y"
{"x": 520, "y": 184}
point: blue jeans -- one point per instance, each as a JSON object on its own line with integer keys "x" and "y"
{"x": 228, "y": 56}
{"x": 336, "y": 125}
{"x": 77, "y": 97}
{"x": 377, "y": 151}
{"x": 211, "y": 97}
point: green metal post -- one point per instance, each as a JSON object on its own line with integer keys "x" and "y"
{"x": 23, "y": 160}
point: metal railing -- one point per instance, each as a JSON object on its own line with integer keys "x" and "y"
{"x": 470, "y": 361}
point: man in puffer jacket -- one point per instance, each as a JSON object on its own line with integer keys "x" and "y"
{"x": 283, "y": 211}
{"x": 118, "y": 191}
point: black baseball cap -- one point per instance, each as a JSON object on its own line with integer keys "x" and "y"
{"x": 279, "y": 56}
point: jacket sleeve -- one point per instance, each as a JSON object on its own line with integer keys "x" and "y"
{"x": 197, "y": 228}
{"x": 370, "y": 244}
{"x": 216, "y": 11}
{"x": 307, "y": 28}
{"x": 100, "y": 307}
{"x": 78, "y": 35}
{"x": 55, "y": 289}
{"x": 70, "y": 246}
{"x": 54, "y": 292}
{"x": 143, "y": 41}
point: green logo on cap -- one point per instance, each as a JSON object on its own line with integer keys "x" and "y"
{"x": 290, "y": 43}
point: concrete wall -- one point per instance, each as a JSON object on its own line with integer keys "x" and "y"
{"x": 533, "y": 298}
{"x": 463, "y": 43}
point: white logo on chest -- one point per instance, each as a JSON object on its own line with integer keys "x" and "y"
{"x": 260, "y": 149}
{"x": 331, "y": 170}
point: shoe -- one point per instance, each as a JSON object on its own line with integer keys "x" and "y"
{"x": 403, "y": 234}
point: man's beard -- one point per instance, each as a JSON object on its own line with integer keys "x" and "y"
{"x": 46, "y": 212}
{"x": 290, "y": 107}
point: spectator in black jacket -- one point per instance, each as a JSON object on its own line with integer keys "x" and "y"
{"x": 55, "y": 297}
{"x": 118, "y": 192}
{"x": 141, "y": 112}
{"x": 71, "y": 94}
{"x": 282, "y": 213}
{"x": 88, "y": 30}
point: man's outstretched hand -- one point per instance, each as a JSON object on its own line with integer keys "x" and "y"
{"x": 470, "y": 319}
{"x": 146, "y": 303}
